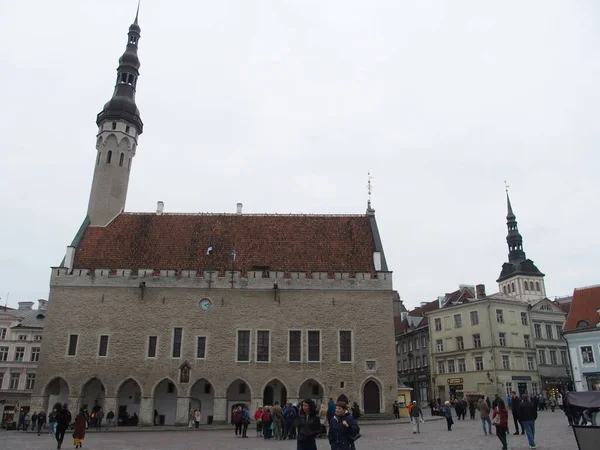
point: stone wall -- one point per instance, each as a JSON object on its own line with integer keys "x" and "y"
{"x": 128, "y": 319}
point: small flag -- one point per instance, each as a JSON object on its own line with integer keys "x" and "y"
{"x": 210, "y": 249}
{"x": 233, "y": 254}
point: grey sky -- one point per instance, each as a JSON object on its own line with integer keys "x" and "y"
{"x": 285, "y": 106}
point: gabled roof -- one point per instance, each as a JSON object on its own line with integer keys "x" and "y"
{"x": 288, "y": 243}
{"x": 30, "y": 318}
{"x": 584, "y": 309}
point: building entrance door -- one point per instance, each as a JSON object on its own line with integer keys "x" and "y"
{"x": 371, "y": 398}
{"x": 522, "y": 388}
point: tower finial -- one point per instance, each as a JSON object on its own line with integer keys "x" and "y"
{"x": 137, "y": 13}
{"x": 369, "y": 186}
{"x": 508, "y": 205}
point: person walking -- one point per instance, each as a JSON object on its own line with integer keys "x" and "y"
{"x": 416, "y": 417}
{"x": 245, "y": 421}
{"x": 343, "y": 429}
{"x": 79, "y": 432}
{"x": 516, "y": 403}
{"x": 500, "y": 419}
{"x": 309, "y": 426}
{"x": 63, "y": 420}
{"x": 52, "y": 422}
{"x": 484, "y": 413}
{"x": 448, "y": 415}
{"x": 99, "y": 417}
{"x": 528, "y": 416}
{"x": 41, "y": 421}
{"x": 34, "y": 418}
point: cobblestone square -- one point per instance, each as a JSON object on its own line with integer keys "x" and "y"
{"x": 552, "y": 432}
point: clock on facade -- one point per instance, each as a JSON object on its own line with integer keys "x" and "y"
{"x": 205, "y": 304}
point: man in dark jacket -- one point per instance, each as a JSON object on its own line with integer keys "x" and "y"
{"x": 528, "y": 416}
{"x": 516, "y": 402}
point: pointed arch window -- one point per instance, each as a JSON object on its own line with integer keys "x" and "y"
{"x": 504, "y": 288}
{"x": 108, "y": 157}
{"x": 537, "y": 286}
{"x": 121, "y": 158}
{"x": 512, "y": 286}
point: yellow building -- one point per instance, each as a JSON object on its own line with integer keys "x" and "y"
{"x": 482, "y": 346}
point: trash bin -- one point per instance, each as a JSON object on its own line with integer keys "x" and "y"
{"x": 209, "y": 420}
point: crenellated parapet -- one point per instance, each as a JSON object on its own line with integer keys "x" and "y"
{"x": 208, "y": 279}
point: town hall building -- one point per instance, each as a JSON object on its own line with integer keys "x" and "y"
{"x": 154, "y": 314}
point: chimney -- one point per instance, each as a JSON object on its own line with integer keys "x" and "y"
{"x": 239, "y": 208}
{"x": 25, "y": 306}
{"x": 69, "y": 258}
{"x": 160, "y": 207}
{"x": 480, "y": 290}
{"x": 42, "y": 304}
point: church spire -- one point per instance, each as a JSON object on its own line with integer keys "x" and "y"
{"x": 514, "y": 238}
{"x": 122, "y": 104}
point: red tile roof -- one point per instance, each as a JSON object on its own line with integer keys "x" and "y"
{"x": 303, "y": 243}
{"x": 586, "y": 302}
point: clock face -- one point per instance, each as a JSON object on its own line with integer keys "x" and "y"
{"x": 205, "y": 304}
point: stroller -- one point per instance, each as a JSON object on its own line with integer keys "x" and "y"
{"x": 587, "y": 436}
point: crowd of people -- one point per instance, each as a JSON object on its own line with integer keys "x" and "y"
{"x": 335, "y": 421}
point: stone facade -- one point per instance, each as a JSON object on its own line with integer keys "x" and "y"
{"x": 93, "y": 306}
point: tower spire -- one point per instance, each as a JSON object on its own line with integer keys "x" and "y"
{"x": 513, "y": 238}
{"x": 122, "y": 104}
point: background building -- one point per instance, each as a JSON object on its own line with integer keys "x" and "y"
{"x": 20, "y": 347}
{"x": 168, "y": 312}
{"x": 412, "y": 344}
{"x": 482, "y": 346}
{"x": 547, "y": 322}
{"x": 582, "y": 333}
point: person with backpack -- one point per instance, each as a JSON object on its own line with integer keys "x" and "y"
{"x": 289, "y": 415}
{"x": 416, "y": 416}
{"x": 500, "y": 421}
{"x": 266, "y": 422}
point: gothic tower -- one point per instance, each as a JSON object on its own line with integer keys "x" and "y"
{"x": 119, "y": 125}
{"x": 519, "y": 277}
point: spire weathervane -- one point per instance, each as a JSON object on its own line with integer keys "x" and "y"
{"x": 369, "y": 186}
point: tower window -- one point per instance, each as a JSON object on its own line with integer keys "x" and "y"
{"x": 512, "y": 287}
{"x": 127, "y": 129}
{"x": 114, "y": 125}
{"x": 130, "y": 78}
{"x": 537, "y": 285}
{"x": 108, "y": 157}
{"x": 98, "y": 158}
{"x": 121, "y": 158}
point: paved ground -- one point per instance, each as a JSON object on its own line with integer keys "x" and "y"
{"x": 552, "y": 433}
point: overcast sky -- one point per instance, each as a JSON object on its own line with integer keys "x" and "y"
{"x": 286, "y": 105}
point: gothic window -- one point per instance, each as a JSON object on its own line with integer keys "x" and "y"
{"x": 526, "y": 285}
{"x": 504, "y": 287}
{"x": 537, "y": 286}
{"x": 127, "y": 129}
{"x": 184, "y": 373}
{"x": 114, "y": 125}
{"x": 123, "y": 77}
{"x": 512, "y": 287}
{"x": 108, "y": 157}
{"x": 121, "y": 158}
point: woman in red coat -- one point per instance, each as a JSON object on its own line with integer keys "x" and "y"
{"x": 500, "y": 421}
{"x": 79, "y": 432}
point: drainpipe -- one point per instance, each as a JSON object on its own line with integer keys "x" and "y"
{"x": 489, "y": 307}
